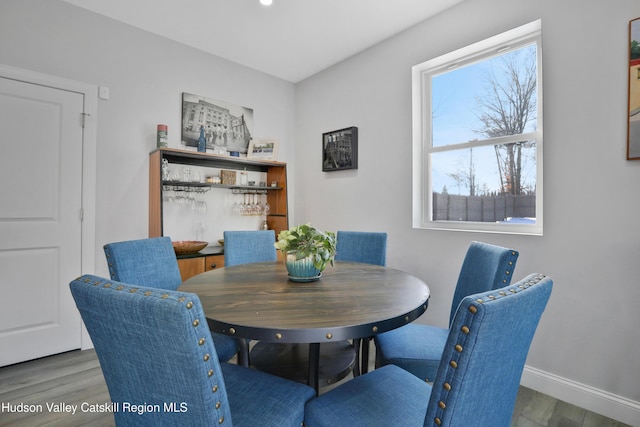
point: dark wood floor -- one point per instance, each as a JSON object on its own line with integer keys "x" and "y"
{"x": 75, "y": 378}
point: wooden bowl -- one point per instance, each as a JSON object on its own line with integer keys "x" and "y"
{"x": 188, "y": 246}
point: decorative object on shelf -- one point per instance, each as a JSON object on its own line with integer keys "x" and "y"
{"x": 264, "y": 149}
{"x": 307, "y": 251}
{"x": 188, "y": 246}
{"x": 340, "y": 149}
{"x": 162, "y": 140}
{"x": 228, "y": 177}
{"x": 244, "y": 177}
{"x": 225, "y": 125}
{"x": 166, "y": 173}
{"x": 633, "y": 136}
{"x": 202, "y": 142}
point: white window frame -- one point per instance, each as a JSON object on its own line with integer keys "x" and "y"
{"x": 422, "y": 146}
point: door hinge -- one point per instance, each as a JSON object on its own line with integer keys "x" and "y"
{"x": 83, "y": 118}
{"x": 81, "y": 214}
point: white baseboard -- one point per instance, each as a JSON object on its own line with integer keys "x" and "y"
{"x": 592, "y": 399}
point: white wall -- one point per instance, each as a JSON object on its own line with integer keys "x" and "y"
{"x": 587, "y": 346}
{"x": 146, "y": 76}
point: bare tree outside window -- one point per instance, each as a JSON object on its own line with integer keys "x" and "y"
{"x": 508, "y": 107}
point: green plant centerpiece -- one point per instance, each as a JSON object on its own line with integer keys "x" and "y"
{"x": 307, "y": 251}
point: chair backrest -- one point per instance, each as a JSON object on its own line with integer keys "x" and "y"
{"x": 244, "y": 247}
{"x": 361, "y": 246}
{"x": 479, "y": 373}
{"x": 155, "y": 349}
{"x": 146, "y": 262}
{"x": 485, "y": 267}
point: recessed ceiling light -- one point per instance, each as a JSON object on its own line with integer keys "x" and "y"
{"x": 266, "y": 2}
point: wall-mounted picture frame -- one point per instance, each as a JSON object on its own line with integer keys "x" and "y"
{"x": 263, "y": 149}
{"x": 226, "y": 127}
{"x": 633, "y": 129}
{"x": 340, "y": 149}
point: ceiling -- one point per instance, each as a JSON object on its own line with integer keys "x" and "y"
{"x": 291, "y": 39}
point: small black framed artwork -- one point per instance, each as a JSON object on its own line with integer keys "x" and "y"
{"x": 340, "y": 149}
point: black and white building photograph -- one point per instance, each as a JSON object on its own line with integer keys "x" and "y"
{"x": 224, "y": 125}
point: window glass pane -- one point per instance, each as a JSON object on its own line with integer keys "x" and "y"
{"x": 486, "y": 99}
{"x": 471, "y": 184}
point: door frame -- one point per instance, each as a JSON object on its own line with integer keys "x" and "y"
{"x": 89, "y": 162}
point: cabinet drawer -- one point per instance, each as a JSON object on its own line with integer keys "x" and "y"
{"x": 189, "y": 267}
{"x": 213, "y": 261}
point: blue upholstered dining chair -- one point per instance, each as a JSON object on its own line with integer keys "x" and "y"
{"x": 370, "y": 248}
{"x": 418, "y": 348}
{"x": 156, "y": 356}
{"x": 477, "y": 379}
{"x": 361, "y": 246}
{"x": 152, "y": 263}
{"x": 243, "y": 247}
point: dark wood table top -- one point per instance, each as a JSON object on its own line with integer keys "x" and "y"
{"x": 351, "y": 300}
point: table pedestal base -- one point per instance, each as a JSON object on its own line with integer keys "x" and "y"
{"x": 291, "y": 361}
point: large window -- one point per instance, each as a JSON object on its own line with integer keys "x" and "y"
{"x": 477, "y": 141}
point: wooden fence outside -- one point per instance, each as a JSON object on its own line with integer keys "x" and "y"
{"x": 448, "y": 207}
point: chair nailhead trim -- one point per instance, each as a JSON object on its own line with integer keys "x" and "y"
{"x": 206, "y": 357}
{"x": 189, "y": 305}
{"x": 465, "y": 329}
{"x": 221, "y": 420}
{"x": 201, "y": 341}
{"x": 196, "y": 322}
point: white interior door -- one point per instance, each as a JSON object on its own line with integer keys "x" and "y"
{"x": 40, "y": 219}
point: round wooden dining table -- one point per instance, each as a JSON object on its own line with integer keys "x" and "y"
{"x": 351, "y": 300}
